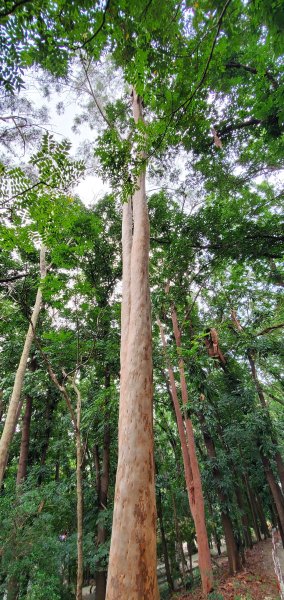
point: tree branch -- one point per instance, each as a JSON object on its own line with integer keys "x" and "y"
{"x": 13, "y": 278}
{"x": 90, "y": 39}
{"x": 200, "y": 83}
{"x": 236, "y": 126}
{"x": 236, "y": 65}
{"x": 29, "y": 190}
{"x": 269, "y": 329}
{"x": 13, "y": 8}
{"x": 54, "y": 379}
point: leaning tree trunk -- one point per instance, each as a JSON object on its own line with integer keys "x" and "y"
{"x": 132, "y": 572}
{"x": 277, "y": 456}
{"x": 192, "y": 485}
{"x": 198, "y": 510}
{"x": 11, "y": 418}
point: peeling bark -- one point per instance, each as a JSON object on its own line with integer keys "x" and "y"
{"x": 132, "y": 562}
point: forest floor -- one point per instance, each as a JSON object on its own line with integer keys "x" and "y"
{"x": 257, "y": 581}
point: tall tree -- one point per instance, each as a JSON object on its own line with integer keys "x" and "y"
{"x": 12, "y": 413}
{"x": 132, "y": 562}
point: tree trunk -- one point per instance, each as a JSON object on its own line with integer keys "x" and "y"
{"x": 231, "y": 545}
{"x": 24, "y": 449}
{"x": 164, "y": 543}
{"x": 48, "y": 422}
{"x": 181, "y": 556}
{"x": 12, "y": 589}
{"x": 1, "y": 405}
{"x": 11, "y": 418}
{"x": 79, "y": 489}
{"x": 102, "y": 481}
{"x": 204, "y": 558}
{"x": 215, "y": 535}
{"x": 79, "y": 518}
{"x": 132, "y": 572}
{"x": 189, "y": 551}
{"x": 205, "y": 565}
{"x": 275, "y": 490}
{"x": 254, "y": 514}
{"x": 261, "y": 516}
{"x": 245, "y": 526}
{"x": 277, "y": 456}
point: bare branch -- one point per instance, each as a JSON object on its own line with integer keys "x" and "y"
{"x": 269, "y": 329}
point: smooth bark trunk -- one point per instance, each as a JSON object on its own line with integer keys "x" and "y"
{"x": 198, "y": 509}
{"x": 204, "y": 558}
{"x": 11, "y": 418}
{"x": 132, "y": 572}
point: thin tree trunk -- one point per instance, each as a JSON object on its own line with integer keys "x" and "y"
{"x": 261, "y": 516}
{"x": 203, "y": 547}
{"x": 48, "y": 420}
{"x": 231, "y": 545}
{"x": 277, "y": 456}
{"x": 24, "y": 449}
{"x": 1, "y": 405}
{"x": 189, "y": 551}
{"x": 57, "y": 469}
{"x": 132, "y": 572}
{"x": 206, "y": 571}
{"x": 164, "y": 543}
{"x": 79, "y": 489}
{"x": 102, "y": 492}
{"x": 76, "y": 421}
{"x": 216, "y": 537}
{"x": 11, "y": 418}
{"x": 182, "y": 560}
{"x": 254, "y": 514}
{"x": 275, "y": 490}
{"x": 245, "y": 524}
{"x": 13, "y": 587}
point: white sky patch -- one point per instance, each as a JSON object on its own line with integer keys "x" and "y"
{"x": 92, "y": 187}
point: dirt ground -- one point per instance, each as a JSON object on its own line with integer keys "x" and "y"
{"x": 257, "y": 581}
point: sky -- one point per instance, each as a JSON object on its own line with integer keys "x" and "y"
{"x": 92, "y": 187}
